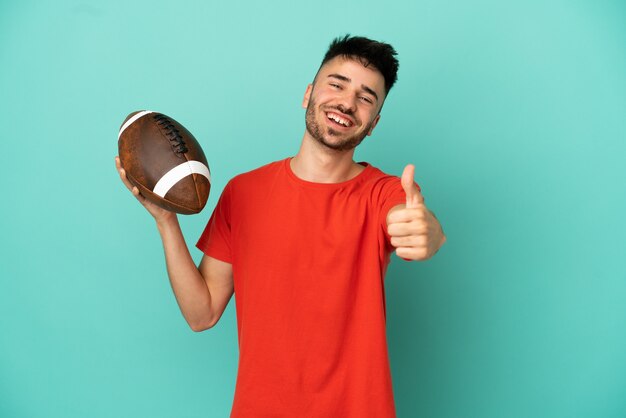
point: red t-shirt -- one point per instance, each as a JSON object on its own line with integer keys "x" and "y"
{"x": 309, "y": 261}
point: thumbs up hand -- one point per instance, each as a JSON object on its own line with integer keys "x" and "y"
{"x": 414, "y": 230}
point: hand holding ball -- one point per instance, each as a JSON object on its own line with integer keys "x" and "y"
{"x": 164, "y": 161}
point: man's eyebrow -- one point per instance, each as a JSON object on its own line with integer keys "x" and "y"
{"x": 348, "y": 80}
{"x": 340, "y": 77}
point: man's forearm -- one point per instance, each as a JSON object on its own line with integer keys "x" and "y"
{"x": 190, "y": 288}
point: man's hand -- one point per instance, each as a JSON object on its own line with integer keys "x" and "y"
{"x": 414, "y": 230}
{"x": 159, "y": 214}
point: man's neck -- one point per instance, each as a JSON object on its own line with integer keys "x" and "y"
{"x": 319, "y": 164}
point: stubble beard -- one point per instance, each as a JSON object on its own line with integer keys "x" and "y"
{"x": 317, "y": 132}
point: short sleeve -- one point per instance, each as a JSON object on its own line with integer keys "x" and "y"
{"x": 215, "y": 240}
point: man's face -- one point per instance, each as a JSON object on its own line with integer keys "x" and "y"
{"x": 343, "y": 104}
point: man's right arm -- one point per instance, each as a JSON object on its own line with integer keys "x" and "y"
{"x": 202, "y": 292}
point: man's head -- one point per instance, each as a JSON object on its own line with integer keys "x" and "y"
{"x": 344, "y": 102}
{"x": 379, "y": 55}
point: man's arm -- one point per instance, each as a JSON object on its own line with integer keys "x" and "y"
{"x": 202, "y": 292}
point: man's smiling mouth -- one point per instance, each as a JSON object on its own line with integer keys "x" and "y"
{"x": 343, "y": 121}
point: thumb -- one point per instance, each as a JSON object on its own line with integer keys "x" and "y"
{"x": 413, "y": 195}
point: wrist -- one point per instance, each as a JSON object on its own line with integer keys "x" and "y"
{"x": 166, "y": 221}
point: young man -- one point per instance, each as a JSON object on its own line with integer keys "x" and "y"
{"x": 304, "y": 244}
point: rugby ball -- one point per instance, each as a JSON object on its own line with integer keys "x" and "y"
{"x": 164, "y": 160}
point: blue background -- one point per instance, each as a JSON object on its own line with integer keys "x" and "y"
{"x": 513, "y": 113}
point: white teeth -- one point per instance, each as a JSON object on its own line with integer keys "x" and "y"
{"x": 338, "y": 120}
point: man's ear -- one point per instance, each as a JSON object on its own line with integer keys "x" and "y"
{"x": 376, "y": 119}
{"x": 307, "y": 96}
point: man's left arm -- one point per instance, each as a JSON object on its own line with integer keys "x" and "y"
{"x": 414, "y": 230}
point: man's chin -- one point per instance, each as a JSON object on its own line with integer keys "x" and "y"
{"x": 340, "y": 145}
{"x": 332, "y": 139}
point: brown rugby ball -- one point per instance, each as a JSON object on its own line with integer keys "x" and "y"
{"x": 164, "y": 160}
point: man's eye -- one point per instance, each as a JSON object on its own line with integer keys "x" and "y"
{"x": 366, "y": 99}
{"x": 335, "y": 85}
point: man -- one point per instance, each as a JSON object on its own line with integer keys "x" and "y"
{"x": 304, "y": 244}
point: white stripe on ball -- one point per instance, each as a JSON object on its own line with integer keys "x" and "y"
{"x": 178, "y": 173}
{"x": 131, "y": 120}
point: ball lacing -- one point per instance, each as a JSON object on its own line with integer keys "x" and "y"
{"x": 172, "y": 134}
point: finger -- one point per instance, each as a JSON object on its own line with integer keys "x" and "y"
{"x": 133, "y": 189}
{"x": 410, "y": 241}
{"x": 130, "y": 186}
{"x": 142, "y": 199}
{"x": 413, "y": 195}
{"x": 125, "y": 180}
{"x": 412, "y": 253}
{"x": 404, "y": 229}
{"x": 407, "y": 215}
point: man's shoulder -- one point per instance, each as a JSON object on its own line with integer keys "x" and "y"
{"x": 258, "y": 174}
{"x": 376, "y": 175}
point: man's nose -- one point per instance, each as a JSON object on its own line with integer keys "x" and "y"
{"x": 347, "y": 104}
